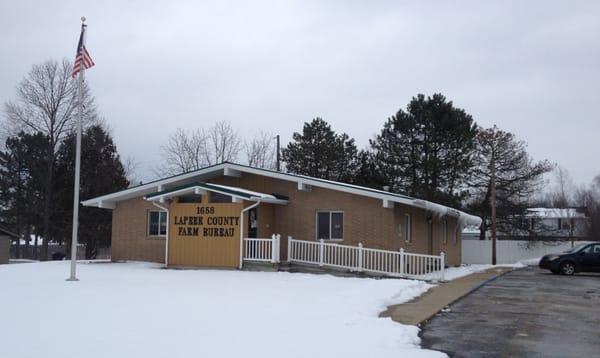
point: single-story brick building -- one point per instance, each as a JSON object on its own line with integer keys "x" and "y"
{"x": 199, "y": 218}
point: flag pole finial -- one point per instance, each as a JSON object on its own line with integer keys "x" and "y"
{"x": 83, "y": 19}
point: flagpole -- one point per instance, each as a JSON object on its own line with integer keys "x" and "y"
{"x": 73, "y": 276}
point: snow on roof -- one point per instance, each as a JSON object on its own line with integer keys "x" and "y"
{"x": 470, "y": 229}
{"x": 555, "y": 213}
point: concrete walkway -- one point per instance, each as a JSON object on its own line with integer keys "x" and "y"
{"x": 433, "y": 301}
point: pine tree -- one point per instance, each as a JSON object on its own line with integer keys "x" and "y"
{"x": 321, "y": 153}
{"x": 425, "y": 151}
{"x": 101, "y": 172}
{"x": 22, "y": 168}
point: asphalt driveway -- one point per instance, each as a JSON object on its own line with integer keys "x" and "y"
{"x": 525, "y": 313}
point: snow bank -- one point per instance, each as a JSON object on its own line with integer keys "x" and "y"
{"x": 140, "y": 310}
{"x": 453, "y": 273}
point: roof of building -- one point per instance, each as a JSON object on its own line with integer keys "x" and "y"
{"x": 232, "y": 169}
{"x": 5, "y": 232}
{"x": 232, "y": 191}
{"x": 555, "y": 213}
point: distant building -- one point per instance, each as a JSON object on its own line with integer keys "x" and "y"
{"x": 6, "y": 238}
{"x": 555, "y": 223}
{"x": 539, "y": 224}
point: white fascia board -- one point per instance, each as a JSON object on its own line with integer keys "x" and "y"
{"x": 229, "y": 172}
{"x": 388, "y": 204}
{"x": 141, "y": 190}
{"x": 199, "y": 191}
{"x": 172, "y": 193}
{"x": 269, "y": 200}
{"x": 107, "y": 205}
{"x": 302, "y": 186}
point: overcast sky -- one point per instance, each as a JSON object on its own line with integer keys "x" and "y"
{"x": 530, "y": 68}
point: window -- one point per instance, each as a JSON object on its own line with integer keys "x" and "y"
{"x": 565, "y": 224}
{"x": 592, "y": 249}
{"x": 407, "y": 228}
{"x": 219, "y": 198}
{"x": 330, "y": 225}
{"x": 157, "y": 223}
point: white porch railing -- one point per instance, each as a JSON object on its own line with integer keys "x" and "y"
{"x": 358, "y": 258}
{"x": 262, "y": 250}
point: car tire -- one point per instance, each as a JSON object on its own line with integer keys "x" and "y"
{"x": 567, "y": 268}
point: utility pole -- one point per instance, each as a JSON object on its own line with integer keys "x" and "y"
{"x": 493, "y": 197}
{"x": 278, "y": 155}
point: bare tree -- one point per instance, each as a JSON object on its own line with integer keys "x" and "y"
{"x": 223, "y": 144}
{"x": 188, "y": 150}
{"x": 184, "y": 152}
{"x": 588, "y": 198}
{"x": 561, "y": 195}
{"x": 131, "y": 167}
{"x": 46, "y": 103}
{"x": 504, "y": 173}
{"x": 261, "y": 151}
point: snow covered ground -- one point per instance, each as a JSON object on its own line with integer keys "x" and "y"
{"x": 140, "y": 310}
{"x": 453, "y": 273}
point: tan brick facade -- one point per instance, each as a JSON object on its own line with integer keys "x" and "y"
{"x": 130, "y": 239}
{"x": 365, "y": 221}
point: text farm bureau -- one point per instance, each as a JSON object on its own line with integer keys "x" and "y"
{"x": 205, "y": 224}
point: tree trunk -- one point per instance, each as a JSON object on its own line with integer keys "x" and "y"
{"x": 48, "y": 201}
{"x": 493, "y": 206}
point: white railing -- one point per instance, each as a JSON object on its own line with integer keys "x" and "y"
{"x": 262, "y": 250}
{"x": 359, "y": 258}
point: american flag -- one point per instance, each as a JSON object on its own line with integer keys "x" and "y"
{"x": 83, "y": 56}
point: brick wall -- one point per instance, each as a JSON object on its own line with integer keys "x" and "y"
{"x": 129, "y": 233}
{"x": 365, "y": 220}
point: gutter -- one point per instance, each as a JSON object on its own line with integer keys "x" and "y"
{"x": 167, "y": 234}
{"x": 242, "y": 230}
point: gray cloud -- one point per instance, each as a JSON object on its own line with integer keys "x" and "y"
{"x": 531, "y": 68}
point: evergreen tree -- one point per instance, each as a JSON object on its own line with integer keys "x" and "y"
{"x": 425, "y": 151}
{"x": 101, "y": 172}
{"x": 22, "y": 167}
{"x": 321, "y": 153}
{"x": 367, "y": 173}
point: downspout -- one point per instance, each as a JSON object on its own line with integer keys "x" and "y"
{"x": 242, "y": 230}
{"x": 167, "y": 234}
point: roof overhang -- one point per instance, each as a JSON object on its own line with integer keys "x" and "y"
{"x": 237, "y": 194}
{"x": 304, "y": 183}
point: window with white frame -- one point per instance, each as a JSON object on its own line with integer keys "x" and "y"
{"x": 330, "y": 225}
{"x": 157, "y": 223}
{"x": 407, "y": 228}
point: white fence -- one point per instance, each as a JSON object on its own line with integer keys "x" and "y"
{"x": 359, "y": 258}
{"x": 509, "y": 251}
{"x": 262, "y": 250}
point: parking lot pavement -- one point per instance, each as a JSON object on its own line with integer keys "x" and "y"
{"x": 525, "y": 313}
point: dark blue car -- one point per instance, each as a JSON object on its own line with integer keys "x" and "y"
{"x": 581, "y": 258}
